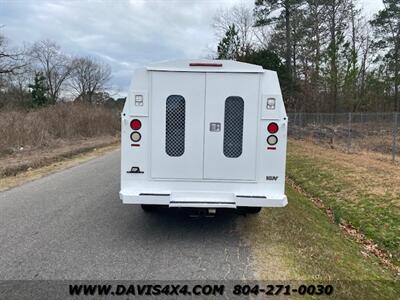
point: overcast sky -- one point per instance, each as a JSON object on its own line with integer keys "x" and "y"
{"x": 125, "y": 34}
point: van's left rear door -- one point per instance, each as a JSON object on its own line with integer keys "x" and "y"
{"x": 177, "y": 124}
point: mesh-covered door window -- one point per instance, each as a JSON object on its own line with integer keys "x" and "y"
{"x": 233, "y": 126}
{"x": 175, "y": 125}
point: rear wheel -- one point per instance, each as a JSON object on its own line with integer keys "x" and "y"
{"x": 254, "y": 210}
{"x": 250, "y": 209}
{"x": 149, "y": 207}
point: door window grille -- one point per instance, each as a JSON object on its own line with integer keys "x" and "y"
{"x": 233, "y": 126}
{"x": 175, "y": 126}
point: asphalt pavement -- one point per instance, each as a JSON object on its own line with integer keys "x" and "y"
{"x": 72, "y": 225}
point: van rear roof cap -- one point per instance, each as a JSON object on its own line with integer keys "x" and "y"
{"x": 205, "y": 65}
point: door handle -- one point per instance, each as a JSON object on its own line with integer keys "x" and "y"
{"x": 215, "y": 127}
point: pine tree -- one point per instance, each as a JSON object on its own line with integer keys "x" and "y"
{"x": 229, "y": 46}
{"x": 387, "y": 33}
{"x": 39, "y": 90}
{"x": 337, "y": 23}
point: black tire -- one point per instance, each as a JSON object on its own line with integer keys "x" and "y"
{"x": 149, "y": 207}
{"x": 252, "y": 209}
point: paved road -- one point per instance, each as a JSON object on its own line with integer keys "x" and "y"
{"x": 72, "y": 225}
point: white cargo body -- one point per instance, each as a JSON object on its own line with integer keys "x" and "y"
{"x": 206, "y": 134}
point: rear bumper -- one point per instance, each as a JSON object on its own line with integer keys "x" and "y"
{"x": 203, "y": 199}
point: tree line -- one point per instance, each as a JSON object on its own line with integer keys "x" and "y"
{"x": 43, "y": 74}
{"x": 329, "y": 56}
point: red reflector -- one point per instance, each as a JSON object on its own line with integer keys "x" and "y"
{"x": 273, "y": 127}
{"x": 136, "y": 124}
{"x": 271, "y": 148}
{"x": 205, "y": 65}
{"x": 135, "y": 145}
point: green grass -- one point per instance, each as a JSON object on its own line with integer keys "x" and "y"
{"x": 312, "y": 249}
{"x": 374, "y": 215}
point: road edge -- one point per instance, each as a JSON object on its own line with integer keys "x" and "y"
{"x": 62, "y": 163}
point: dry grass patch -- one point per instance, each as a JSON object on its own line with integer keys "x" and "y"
{"x": 35, "y": 138}
{"x": 27, "y": 159}
{"x": 46, "y": 127}
{"x": 371, "y": 172}
{"x": 61, "y": 164}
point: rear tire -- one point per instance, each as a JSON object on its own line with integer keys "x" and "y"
{"x": 149, "y": 207}
{"x": 252, "y": 209}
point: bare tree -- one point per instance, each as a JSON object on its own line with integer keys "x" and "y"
{"x": 13, "y": 66}
{"x": 10, "y": 62}
{"x": 55, "y": 66}
{"x": 241, "y": 17}
{"x": 89, "y": 77}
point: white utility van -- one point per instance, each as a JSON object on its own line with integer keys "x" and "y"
{"x": 204, "y": 134}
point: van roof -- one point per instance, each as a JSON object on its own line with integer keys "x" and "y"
{"x": 205, "y": 65}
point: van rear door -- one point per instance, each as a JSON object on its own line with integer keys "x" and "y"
{"x": 177, "y": 121}
{"x": 230, "y": 135}
{"x": 204, "y": 125}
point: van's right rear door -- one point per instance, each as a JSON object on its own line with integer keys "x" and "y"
{"x": 230, "y": 134}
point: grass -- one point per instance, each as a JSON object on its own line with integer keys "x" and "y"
{"x": 358, "y": 188}
{"x": 300, "y": 244}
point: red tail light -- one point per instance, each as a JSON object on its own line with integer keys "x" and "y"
{"x": 136, "y": 124}
{"x": 273, "y": 127}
